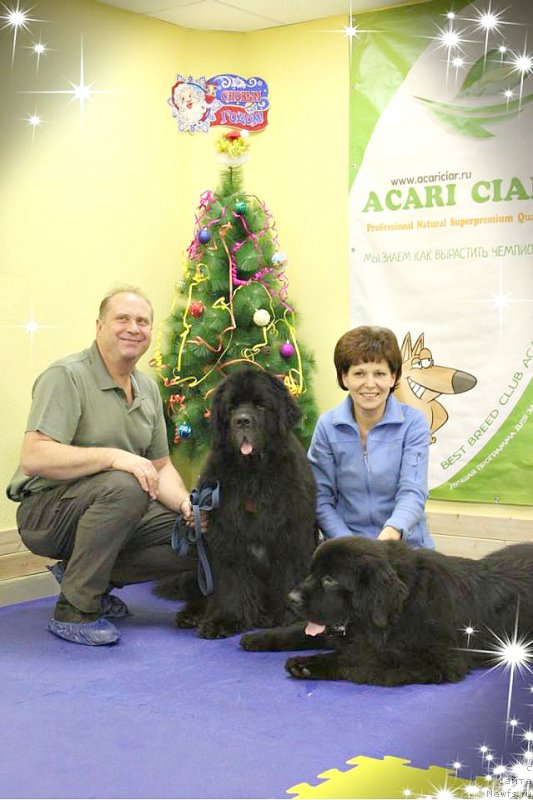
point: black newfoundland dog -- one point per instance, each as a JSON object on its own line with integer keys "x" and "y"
{"x": 393, "y": 615}
{"x": 261, "y": 538}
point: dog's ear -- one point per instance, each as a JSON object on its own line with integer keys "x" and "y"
{"x": 287, "y": 408}
{"x": 218, "y": 416}
{"x": 292, "y": 410}
{"x": 388, "y": 593}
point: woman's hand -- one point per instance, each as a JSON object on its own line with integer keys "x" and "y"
{"x": 388, "y": 533}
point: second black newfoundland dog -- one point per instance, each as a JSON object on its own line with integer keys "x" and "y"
{"x": 261, "y": 538}
{"x": 392, "y": 615}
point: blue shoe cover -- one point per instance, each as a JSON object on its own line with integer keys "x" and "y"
{"x": 57, "y": 570}
{"x": 113, "y": 606}
{"x": 93, "y": 633}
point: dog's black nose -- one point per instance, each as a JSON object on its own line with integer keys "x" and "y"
{"x": 243, "y": 419}
{"x": 295, "y": 599}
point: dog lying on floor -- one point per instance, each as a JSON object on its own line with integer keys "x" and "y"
{"x": 393, "y": 615}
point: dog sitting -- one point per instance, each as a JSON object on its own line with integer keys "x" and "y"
{"x": 261, "y": 538}
{"x": 393, "y": 615}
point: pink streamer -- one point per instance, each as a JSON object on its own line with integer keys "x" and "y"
{"x": 207, "y": 201}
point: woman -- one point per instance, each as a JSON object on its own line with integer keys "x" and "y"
{"x": 370, "y": 454}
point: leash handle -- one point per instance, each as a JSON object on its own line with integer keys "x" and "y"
{"x": 206, "y": 498}
{"x": 205, "y": 576}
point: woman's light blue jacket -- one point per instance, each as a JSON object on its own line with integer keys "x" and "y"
{"x": 361, "y": 492}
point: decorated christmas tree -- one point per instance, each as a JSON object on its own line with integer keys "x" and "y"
{"x": 231, "y": 309}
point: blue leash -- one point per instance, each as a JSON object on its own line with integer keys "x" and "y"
{"x": 206, "y": 498}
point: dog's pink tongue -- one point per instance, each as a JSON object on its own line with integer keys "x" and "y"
{"x": 314, "y": 629}
{"x": 246, "y": 448}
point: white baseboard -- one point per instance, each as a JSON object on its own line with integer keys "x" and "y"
{"x": 29, "y": 587}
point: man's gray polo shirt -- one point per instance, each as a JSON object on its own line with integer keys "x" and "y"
{"x": 75, "y": 401}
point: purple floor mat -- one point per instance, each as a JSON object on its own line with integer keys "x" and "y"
{"x": 165, "y": 714}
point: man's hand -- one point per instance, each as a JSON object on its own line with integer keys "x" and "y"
{"x": 388, "y": 533}
{"x": 186, "y": 510}
{"x": 142, "y": 468}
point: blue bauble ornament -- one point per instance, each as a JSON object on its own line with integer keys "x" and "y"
{"x": 204, "y": 236}
{"x": 240, "y": 207}
{"x": 184, "y": 431}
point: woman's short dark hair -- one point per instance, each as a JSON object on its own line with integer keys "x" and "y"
{"x": 366, "y": 344}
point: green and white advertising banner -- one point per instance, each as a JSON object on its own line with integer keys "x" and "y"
{"x": 441, "y": 228}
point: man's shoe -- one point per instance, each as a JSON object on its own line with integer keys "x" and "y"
{"x": 92, "y": 633}
{"x": 112, "y": 606}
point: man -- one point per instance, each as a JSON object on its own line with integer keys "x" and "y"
{"x": 95, "y": 484}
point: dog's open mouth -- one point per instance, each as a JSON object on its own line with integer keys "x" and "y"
{"x": 314, "y": 629}
{"x": 246, "y": 448}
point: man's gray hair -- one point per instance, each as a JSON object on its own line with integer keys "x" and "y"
{"x": 124, "y": 289}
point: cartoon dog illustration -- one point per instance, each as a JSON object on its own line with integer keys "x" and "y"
{"x": 423, "y": 381}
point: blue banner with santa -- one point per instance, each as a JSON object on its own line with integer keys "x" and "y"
{"x": 226, "y": 99}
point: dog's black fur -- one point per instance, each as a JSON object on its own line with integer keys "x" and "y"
{"x": 261, "y": 538}
{"x": 396, "y": 615}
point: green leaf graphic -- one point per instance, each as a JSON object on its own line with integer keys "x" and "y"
{"x": 462, "y": 125}
{"x": 489, "y": 75}
{"x": 509, "y": 109}
{"x": 470, "y": 121}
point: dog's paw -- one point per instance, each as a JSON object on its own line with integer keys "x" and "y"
{"x": 299, "y": 667}
{"x": 453, "y": 675}
{"x": 254, "y": 641}
{"x": 187, "y": 619}
{"x": 218, "y": 629}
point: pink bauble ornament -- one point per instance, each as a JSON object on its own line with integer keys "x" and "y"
{"x": 287, "y": 350}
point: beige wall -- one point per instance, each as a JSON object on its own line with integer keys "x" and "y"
{"x": 84, "y": 206}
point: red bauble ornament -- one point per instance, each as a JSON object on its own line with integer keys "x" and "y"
{"x": 233, "y": 134}
{"x": 196, "y": 309}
